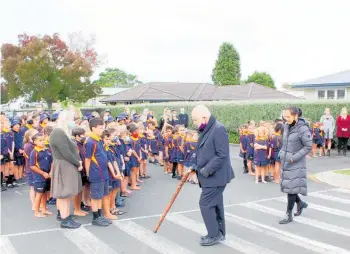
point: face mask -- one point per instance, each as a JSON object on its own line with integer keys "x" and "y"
{"x": 202, "y": 127}
{"x": 105, "y": 118}
{"x": 135, "y": 135}
{"x": 115, "y": 139}
{"x": 82, "y": 139}
{"x": 174, "y": 115}
{"x": 127, "y": 139}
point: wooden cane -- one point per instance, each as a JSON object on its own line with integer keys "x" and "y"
{"x": 172, "y": 200}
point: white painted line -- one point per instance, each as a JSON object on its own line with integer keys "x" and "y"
{"x": 329, "y": 198}
{"x": 6, "y": 246}
{"x": 17, "y": 192}
{"x": 282, "y": 235}
{"x": 156, "y": 242}
{"x": 86, "y": 241}
{"x": 324, "y": 209}
{"x": 156, "y": 215}
{"x": 342, "y": 190}
{"x": 231, "y": 241}
{"x": 310, "y": 222}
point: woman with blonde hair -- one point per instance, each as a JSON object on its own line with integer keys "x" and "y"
{"x": 343, "y": 131}
{"x": 65, "y": 176}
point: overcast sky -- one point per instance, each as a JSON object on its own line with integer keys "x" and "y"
{"x": 160, "y": 40}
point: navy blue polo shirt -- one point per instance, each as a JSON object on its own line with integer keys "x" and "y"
{"x": 111, "y": 158}
{"x": 18, "y": 138}
{"x": 96, "y": 152}
{"x": 41, "y": 158}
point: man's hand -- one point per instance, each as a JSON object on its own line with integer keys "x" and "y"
{"x": 204, "y": 172}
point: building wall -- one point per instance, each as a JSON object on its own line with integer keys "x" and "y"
{"x": 312, "y": 93}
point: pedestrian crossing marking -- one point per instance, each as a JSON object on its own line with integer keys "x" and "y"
{"x": 6, "y": 246}
{"x": 342, "y": 190}
{"x": 329, "y": 198}
{"x": 231, "y": 241}
{"x": 311, "y": 222}
{"x": 323, "y": 209}
{"x": 306, "y": 243}
{"x": 156, "y": 242}
{"x": 86, "y": 241}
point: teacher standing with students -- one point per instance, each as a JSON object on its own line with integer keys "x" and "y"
{"x": 214, "y": 172}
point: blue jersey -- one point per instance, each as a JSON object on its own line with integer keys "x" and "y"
{"x": 98, "y": 171}
{"x": 41, "y": 158}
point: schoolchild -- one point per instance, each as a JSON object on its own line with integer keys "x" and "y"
{"x": 28, "y": 148}
{"x": 261, "y": 160}
{"x": 97, "y": 171}
{"x": 40, "y": 163}
{"x": 243, "y": 145}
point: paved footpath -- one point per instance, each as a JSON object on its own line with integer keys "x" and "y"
{"x": 252, "y": 214}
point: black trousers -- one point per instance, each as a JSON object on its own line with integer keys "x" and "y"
{"x": 342, "y": 144}
{"x": 292, "y": 199}
{"x": 211, "y": 204}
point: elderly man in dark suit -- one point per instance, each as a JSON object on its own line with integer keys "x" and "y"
{"x": 214, "y": 172}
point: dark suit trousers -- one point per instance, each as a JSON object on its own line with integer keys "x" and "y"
{"x": 211, "y": 204}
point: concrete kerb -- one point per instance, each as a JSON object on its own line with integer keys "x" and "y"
{"x": 334, "y": 179}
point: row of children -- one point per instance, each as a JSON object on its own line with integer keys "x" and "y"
{"x": 259, "y": 147}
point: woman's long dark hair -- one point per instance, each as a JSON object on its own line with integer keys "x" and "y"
{"x": 279, "y": 127}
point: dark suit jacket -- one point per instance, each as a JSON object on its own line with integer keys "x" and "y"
{"x": 213, "y": 159}
{"x": 183, "y": 119}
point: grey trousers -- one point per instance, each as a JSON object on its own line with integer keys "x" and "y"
{"x": 211, "y": 204}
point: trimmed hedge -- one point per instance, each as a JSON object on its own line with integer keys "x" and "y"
{"x": 235, "y": 113}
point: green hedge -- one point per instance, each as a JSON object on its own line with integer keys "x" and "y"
{"x": 234, "y": 114}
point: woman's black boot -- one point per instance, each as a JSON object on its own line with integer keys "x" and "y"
{"x": 288, "y": 218}
{"x": 300, "y": 206}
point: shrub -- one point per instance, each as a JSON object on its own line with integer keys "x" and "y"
{"x": 235, "y": 113}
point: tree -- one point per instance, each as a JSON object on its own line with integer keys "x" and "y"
{"x": 45, "y": 68}
{"x": 113, "y": 77}
{"x": 261, "y": 78}
{"x": 227, "y": 70}
{"x": 4, "y": 94}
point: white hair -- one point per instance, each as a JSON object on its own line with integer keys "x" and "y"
{"x": 201, "y": 111}
{"x": 65, "y": 117}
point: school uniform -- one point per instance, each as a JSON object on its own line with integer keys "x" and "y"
{"x": 136, "y": 146}
{"x": 118, "y": 155}
{"x": 244, "y": 141}
{"x": 172, "y": 149}
{"x": 125, "y": 146}
{"x": 159, "y": 139}
{"x": 144, "y": 145}
{"x": 82, "y": 153}
{"x": 276, "y": 144}
{"x": 153, "y": 145}
{"x": 41, "y": 158}
{"x": 6, "y": 145}
{"x": 98, "y": 171}
{"x": 317, "y": 137}
{"x": 25, "y": 128}
{"x": 189, "y": 153}
{"x": 260, "y": 155}
{"x": 250, "y": 149}
{"x": 28, "y": 148}
{"x": 179, "y": 153}
{"x": 113, "y": 183}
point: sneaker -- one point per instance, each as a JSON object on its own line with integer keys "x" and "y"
{"x": 69, "y": 223}
{"x": 99, "y": 221}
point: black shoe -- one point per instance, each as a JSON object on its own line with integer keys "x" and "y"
{"x": 15, "y": 184}
{"x": 267, "y": 179}
{"x": 173, "y": 176}
{"x": 209, "y": 241}
{"x": 288, "y": 218}
{"x": 99, "y": 221}
{"x": 203, "y": 237}
{"x": 69, "y": 223}
{"x": 300, "y": 206}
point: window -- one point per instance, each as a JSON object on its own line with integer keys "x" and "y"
{"x": 340, "y": 94}
{"x": 331, "y": 94}
{"x": 321, "y": 94}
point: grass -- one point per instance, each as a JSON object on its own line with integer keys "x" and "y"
{"x": 343, "y": 172}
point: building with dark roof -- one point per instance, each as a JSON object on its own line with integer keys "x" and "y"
{"x": 171, "y": 91}
{"x": 332, "y": 87}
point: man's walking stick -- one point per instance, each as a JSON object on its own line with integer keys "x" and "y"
{"x": 178, "y": 189}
